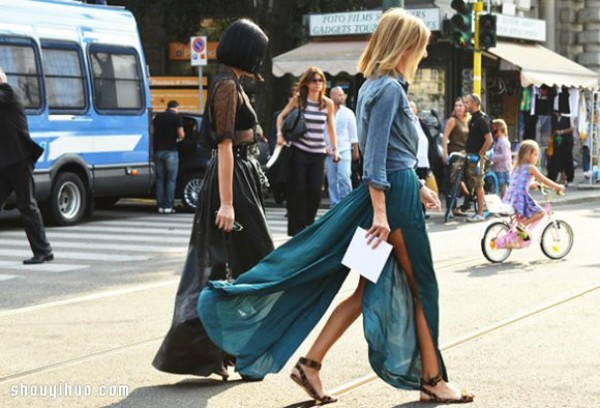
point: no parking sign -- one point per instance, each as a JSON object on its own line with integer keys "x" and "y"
{"x": 198, "y": 51}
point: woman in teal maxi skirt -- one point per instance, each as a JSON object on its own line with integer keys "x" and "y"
{"x": 265, "y": 314}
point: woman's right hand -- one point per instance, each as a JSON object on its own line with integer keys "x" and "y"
{"x": 225, "y": 217}
{"x": 379, "y": 231}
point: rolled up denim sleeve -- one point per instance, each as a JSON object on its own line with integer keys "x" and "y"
{"x": 381, "y": 118}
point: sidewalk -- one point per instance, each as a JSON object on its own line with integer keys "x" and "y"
{"x": 580, "y": 191}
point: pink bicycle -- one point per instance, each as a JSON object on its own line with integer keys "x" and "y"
{"x": 501, "y": 237}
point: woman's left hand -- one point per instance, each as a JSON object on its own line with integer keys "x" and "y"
{"x": 225, "y": 217}
{"x": 336, "y": 156}
{"x": 430, "y": 199}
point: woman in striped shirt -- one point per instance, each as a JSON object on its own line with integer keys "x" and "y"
{"x": 307, "y": 162}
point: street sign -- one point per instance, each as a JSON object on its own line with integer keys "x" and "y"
{"x": 198, "y": 51}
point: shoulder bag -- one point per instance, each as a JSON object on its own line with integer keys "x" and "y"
{"x": 294, "y": 125}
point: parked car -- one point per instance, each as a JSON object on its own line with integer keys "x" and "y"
{"x": 194, "y": 159}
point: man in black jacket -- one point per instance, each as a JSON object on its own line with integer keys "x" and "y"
{"x": 18, "y": 154}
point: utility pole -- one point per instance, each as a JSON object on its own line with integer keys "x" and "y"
{"x": 386, "y": 4}
{"x": 477, "y": 9}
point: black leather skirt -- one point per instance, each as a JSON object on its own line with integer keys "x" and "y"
{"x": 214, "y": 255}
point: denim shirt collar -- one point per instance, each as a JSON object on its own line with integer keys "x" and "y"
{"x": 402, "y": 82}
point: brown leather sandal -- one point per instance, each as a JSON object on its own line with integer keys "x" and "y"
{"x": 432, "y": 397}
{"x": 302, "y": 381}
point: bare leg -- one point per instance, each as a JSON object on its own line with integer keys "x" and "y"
{"x": 429, "y": 359}
{"x": 480, "y": 200}
{"x": 342, "y": 317}
{"x": 535, "y": 218}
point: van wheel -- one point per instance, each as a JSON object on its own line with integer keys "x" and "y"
{"x": 67, "y": 202}
{"x": 190, "y": 191}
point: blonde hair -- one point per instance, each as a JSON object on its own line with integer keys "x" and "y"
{"x": 500, "y": 125}
{"x": 397, "y": 33}
{"x": 301, "y": 88}
{"x": 527, "y": 146}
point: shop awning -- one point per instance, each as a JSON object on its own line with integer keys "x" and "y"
{"x": 541, "y": 66}
{"x": 332, "y": 57}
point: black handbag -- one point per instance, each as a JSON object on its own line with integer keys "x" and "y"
{"x": 294, "y": 125}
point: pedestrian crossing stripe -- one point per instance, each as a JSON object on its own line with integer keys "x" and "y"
{"x": 54, "y": 267}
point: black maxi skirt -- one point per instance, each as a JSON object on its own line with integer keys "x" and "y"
{"x": 186, "y": 348}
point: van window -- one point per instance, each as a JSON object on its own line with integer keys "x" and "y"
{"x": 64, "y": 78}
{"x": 18, "y": 60}
{"x": 117, "y": 79}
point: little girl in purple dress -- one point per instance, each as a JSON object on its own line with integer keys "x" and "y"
{"x": 527, "y": 209}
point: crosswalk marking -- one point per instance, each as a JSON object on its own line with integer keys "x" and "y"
{"x": 45, "y": 267}
{"x": 82, "y": 256}
{"x": 65, "y": 233}
{"x": 132, "y": 230}
{"x": 62, "y": 244}
{"x": 127, "y": 240}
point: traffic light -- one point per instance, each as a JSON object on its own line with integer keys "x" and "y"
{"x": 460, "y": 25}
{"x": 487, "y": 31}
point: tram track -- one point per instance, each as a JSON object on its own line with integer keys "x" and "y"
{"x": 340, "y": 390}
{"x": 365, "y": 380}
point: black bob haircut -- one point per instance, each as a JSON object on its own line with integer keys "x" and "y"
{"x": 243, "y": 45}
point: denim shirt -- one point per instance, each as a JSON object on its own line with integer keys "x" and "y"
{"x": 386, "y": 133}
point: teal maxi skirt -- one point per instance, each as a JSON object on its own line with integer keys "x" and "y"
{"x": 264, "y": 315}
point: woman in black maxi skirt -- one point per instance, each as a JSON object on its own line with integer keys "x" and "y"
{"x": 231, "y": 193}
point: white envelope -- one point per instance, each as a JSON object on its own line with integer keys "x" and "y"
{"x": 362, "y": 258}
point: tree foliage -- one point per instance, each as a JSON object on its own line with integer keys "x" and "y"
{"x": 282, "y": 21}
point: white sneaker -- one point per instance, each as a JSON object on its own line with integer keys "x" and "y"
{"x": 161, "y": 210}
{"x": 168, "y": 211}
{"x": 476, "y": 218}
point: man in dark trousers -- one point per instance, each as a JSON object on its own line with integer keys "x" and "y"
{"x": 18, "y": 154}
{"x": 168, "y": 129}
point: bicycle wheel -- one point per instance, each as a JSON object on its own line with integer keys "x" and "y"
{"x": 490, "y": 183}
{"x": 557, "y": 239}
{"x": 488, "y": 243}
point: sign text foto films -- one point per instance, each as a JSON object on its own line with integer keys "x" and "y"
{"x": 363, "y": 22}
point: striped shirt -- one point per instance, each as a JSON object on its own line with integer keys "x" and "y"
{"x": 313, "y": 141}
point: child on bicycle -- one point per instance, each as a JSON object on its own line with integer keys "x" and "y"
{"x": 501, "y": 157}
{"x": 527, "y": 209}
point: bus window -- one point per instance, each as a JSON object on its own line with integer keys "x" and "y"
{"x": 117, "y": 81}
{"x": 18, "y": 59}
{"x": 64, "y": 78}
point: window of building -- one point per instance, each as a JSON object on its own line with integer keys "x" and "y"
{"x": 116, "y": 79}
{"x": 19, "y": 62}
{"x": 428, "y": 90}
{"x": 64, "y": 77}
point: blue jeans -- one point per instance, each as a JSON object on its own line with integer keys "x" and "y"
{"x": 338, "y": 177}
{"x": 167, "y": 163}
{"x": 585, "y": 158}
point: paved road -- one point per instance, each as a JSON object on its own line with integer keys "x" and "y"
{"x": 520, "y": 334}
{"x": 128, "y": 244}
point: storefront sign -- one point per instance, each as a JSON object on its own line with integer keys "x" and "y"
{"x": 363, "y": 22}
{"x": 521, "y": 28}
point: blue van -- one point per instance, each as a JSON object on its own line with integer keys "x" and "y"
{"x": 83, "y": 78}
